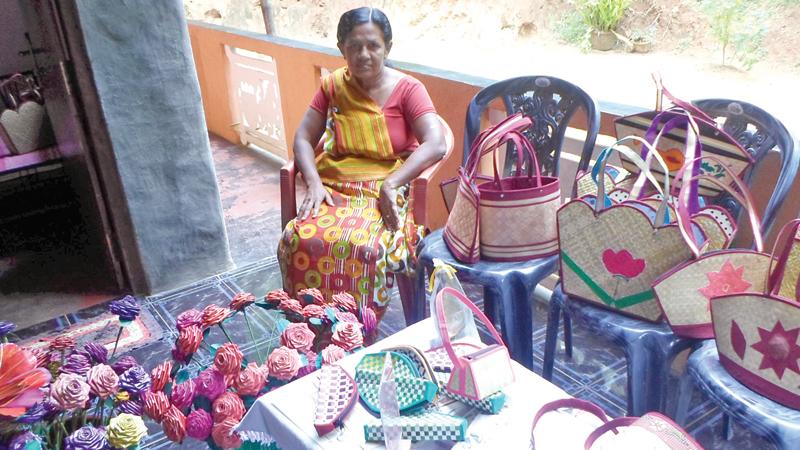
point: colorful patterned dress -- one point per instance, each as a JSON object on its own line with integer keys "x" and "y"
{"x": 346, "y": 247}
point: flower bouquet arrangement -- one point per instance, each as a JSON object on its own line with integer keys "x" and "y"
{"x": 63, "y": 396}
{"x": 208, "y": 404}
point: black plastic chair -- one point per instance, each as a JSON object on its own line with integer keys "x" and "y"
{"x": 650, "y": 348}
{"x": 551, "y": 103}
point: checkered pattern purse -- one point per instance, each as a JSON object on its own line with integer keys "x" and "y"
{"x": 442, "y": 367}
{"x": 421, "y": 426}
{"x": 335, "y": 399}
{"x": 413, "y": 390}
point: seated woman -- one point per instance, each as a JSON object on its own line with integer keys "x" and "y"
{"x": 355, "y": 227}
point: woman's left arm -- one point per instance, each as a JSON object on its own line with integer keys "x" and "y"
{"x": 431, "y": 148}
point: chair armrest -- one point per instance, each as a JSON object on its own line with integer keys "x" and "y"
{"x": 288, "y": 193}
{"x": 419, "y": 186}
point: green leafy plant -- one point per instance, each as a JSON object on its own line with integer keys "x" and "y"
{"x": 740, "y": 27}
{"x": 602, "y": 15}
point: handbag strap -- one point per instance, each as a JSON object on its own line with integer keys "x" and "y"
{"x": 743, "y": 197}
{"x": 442, "y": 321}
{"x": 485, "y": 141}
{"x": 675, "y": 100}
{"x": 784, "y": 243}
{"x": 520, "y": 143}
{"x": 613, "y": 424}
{"x": 574, "y": 403}
{"x": 599, "y": 170}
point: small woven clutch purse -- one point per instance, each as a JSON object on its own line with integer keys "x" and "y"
{"x": 414, "y": 390}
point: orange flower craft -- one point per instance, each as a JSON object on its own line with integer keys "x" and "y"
{"x": 228, "y": 359}
{"x": 241, "y": 301}
{"x": 20, "y": 380}
{"x": 214, "y": 315}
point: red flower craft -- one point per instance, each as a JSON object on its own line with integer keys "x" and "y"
{"x": 622, "y": 264}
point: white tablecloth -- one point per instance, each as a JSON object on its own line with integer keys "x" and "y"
{"x": 287, "y": 413}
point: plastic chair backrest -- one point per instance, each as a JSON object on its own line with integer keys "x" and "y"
{"x": 758, "y": 132}
{"x": 550, "y": 102}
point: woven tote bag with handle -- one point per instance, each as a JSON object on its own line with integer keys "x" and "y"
{"x": 757, "y": 332}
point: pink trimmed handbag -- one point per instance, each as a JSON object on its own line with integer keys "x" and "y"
{"x": 684, "y": 293}
{"x": 757, "y": 332}
{"x": 502, "y": 219}
{"x": 651, "y": 431}
{"x": 479, "y": 373}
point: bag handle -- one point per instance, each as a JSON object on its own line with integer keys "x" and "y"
{"x": 520, "y": 142}
{"x": 610, "y": 425}
{"x": 662, "y": 91}
{"x": 599, "y": 171}
{"x": 744, "y": 198}
{"x": 484, "y": 142}
{"x": 775, "y": 277}
{"x": 574, "y": 403}
{"x": 442, "y": 321}
{"x": 693, "y": 150}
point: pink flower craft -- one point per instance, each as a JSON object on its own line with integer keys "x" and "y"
{"x": 298, "y": 336}
{"x": 623, "y": 264}
{"x": 283, "y": 363}
{"x": 729, "y": 280}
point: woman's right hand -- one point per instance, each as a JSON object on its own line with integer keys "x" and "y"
{"x": 315, "y": 195}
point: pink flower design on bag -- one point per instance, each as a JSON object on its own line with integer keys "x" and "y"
{"x": 622, "y": 264}
{"x": 729, "y": 280}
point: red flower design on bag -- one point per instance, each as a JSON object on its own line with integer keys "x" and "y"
{"x": 622, "y": 264}
{"x": 779, "y": 347}
{"x": 728, "y": 280}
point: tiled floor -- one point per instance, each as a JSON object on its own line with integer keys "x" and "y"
{"x": 248, "y": 189}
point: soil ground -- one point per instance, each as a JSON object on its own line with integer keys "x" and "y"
{"x": 512, "y": 37}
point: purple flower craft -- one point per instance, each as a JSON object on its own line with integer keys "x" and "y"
{"x": 6, "y": 328}
{"x": 127, "y": 308}
{"x": 76, "y": 363}
{"x": 188, "y": 318}
{"x": 124, "y": 363}
{"x": 133, "y": 407}
{"x": 86, "y": 438}
{"x": 25, "y": 441}
{"x": 96, "y": 352}
{"x": 37, "y": 412}
{"x": 134, "y": 380}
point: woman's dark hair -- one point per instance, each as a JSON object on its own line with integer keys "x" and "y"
{"x": 360, "y": 16}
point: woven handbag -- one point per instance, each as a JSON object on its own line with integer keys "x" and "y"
{"x": 684, "y": 292}
{"x": 476, "y": 374}
{"x": 502, "y": 219}
{"x": 335, "y": 399}
{"x": 462, "y": 230}
{"x": 714, "y": 141}
{"x": 757, "y": 332}
{"x": 611, "y": 254}
{"x": 414, "y": 390}
{"x": 651, "y": 431}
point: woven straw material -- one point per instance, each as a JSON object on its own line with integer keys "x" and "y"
{"x": 512, "y": 230}
{"x": 757, "y": 342}
{"x": 717, "y": 238}
{"x": 462, "y": 229}
{"x": 682, "y": 294}
{"x": 791, "y": 274}
{"x": 584, "y": 237}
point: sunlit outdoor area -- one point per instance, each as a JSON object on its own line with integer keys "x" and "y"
{"x": 307, "y": 224}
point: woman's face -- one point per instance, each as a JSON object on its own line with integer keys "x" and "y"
{"x": 365, "y": 51}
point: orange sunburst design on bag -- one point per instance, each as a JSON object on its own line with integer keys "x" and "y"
{"x": 729, "y": 280}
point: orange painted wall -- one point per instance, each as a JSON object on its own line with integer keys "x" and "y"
{"x": 298, "y": 69}
{"x": 298, "y": 78}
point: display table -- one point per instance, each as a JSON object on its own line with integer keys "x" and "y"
{"x": 287, "y": 413}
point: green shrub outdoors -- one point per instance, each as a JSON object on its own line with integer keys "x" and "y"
{"x": 602, "y": 15}
{"x": 740, "y": 26}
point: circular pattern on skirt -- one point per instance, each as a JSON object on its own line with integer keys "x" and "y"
{"x": 326, "y": 265}
{"x": 306, "y": 231}
{"x": 326, "y": 221}
{"x": 313, "y": 279}
{"x": 341, "y": 249}
{"x": 332, "y": 234}
{"x": 300, "y": 260}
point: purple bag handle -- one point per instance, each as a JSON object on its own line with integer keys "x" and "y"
{"x": 442, "y": 320}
